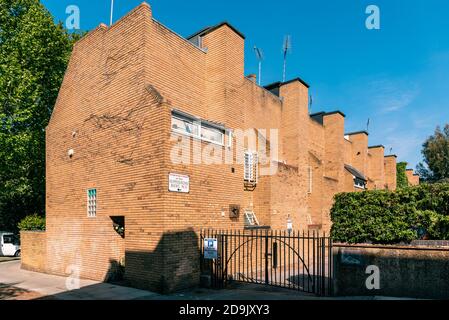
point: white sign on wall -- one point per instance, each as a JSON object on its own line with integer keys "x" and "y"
{"x": 178, "y": 183}
{"x": 210, "y": 248}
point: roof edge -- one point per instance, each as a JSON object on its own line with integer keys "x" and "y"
{"x": 378, "y": 146}
{"x": 334, "y": 112}
{"x": 355, "y": 172}
{"x": 208, "y": 30}
{"x": 357, "y": 132}
{"x": 280, "y": 83}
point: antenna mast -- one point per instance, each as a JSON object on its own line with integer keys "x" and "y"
{"x": 286, "y": 49}
{"x": 310, "y": 103}
{"x": 112, "y": 12}
{"x": 259, "y": 55}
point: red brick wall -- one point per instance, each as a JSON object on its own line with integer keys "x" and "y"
{"x": 107, "y": 115}
{"x": 376, "y": 173}
{"x": 114, "y": 112}
{"x": 390, "y": 172}
{"x": 33, "y": 251}
{"x": 413, "y": 179}
{"x": 359, "y": 152}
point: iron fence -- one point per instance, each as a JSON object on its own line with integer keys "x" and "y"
{"x": 296, "y": 260}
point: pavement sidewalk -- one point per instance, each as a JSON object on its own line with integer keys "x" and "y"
{"x": 19, "y": 284}
{"x": 16, "y": 283}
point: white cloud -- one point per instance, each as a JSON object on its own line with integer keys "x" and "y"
{"x": 406, "y": 146}
{"x": 390, "y": 95}
{"x": 397, "y": 102}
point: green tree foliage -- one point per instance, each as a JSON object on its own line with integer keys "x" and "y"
{"x": 401, "y": 176}
{"x": 33, "y": 57}
{"x": 436, "y": 156}
{"x": 32, "y": 223}
{"x": 392, "y": 217}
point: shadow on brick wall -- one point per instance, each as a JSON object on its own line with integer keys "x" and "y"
{"x": 173, "y": 265}
{"x": 115, "y": 273}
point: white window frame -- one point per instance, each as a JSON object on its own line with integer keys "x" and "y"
{"x": 184, "y": 118}
{"x": 230, "y": 136}
{"x": 212, "y": 128}
{"x": 358, "y": 186}
{"x": 200, "y": 125}
{"x": 250, "y": 218}
{"x": 91, "y": 203}
{"x": 253, "y": 167}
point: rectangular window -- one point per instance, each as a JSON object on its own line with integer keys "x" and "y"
{"x": 185, "y": 125}
{"x": 250, "y": 218}
{"x": 92, "y": 203}
{"x": 250, "y": 169}
{"x": 8, "y": 239}
{"x": 212, "y": 134}
{"x": 359, "y": 183}
{"x": 194, "y": 127}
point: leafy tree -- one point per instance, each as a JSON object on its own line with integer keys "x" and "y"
{"x": 34, "y": 52}
{"x": 436, "y": 156}
{"x": 401, "y": 176}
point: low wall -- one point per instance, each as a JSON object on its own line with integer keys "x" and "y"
{"x": 404, "y": 271}
{"x": 33, "y": 249}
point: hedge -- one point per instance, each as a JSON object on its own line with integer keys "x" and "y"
{"x": 32, "y": 223}
{"x": 386, "y": 217}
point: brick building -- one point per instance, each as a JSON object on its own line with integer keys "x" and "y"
{"x": 412, "y": 177}
{"x": 163, "y": 135}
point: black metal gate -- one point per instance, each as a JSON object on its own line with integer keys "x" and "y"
{"x": 294, "y": 260}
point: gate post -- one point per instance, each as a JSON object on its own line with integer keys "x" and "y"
{"x": 266, "y": 258}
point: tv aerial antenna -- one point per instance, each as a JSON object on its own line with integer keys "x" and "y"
{"x": 260, "y": 57}
{"x": 112, "y": 12}
{"x": 310, "y": 103}
{"x": 286, "y": 48}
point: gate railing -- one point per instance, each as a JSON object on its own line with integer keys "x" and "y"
{"x": 294, "y": 260}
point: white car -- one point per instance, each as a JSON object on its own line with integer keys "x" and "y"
{"x": 9, "y": 244}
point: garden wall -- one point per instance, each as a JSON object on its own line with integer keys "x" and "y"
{"x": 33, "y": 250}
{"x": 405, "y": 271}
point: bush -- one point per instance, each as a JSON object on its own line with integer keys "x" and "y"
{"x": 386, "y": 217}
{"x": 32, "y": 223}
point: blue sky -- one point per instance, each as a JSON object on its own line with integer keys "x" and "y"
{"x": 397, "y": 76}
